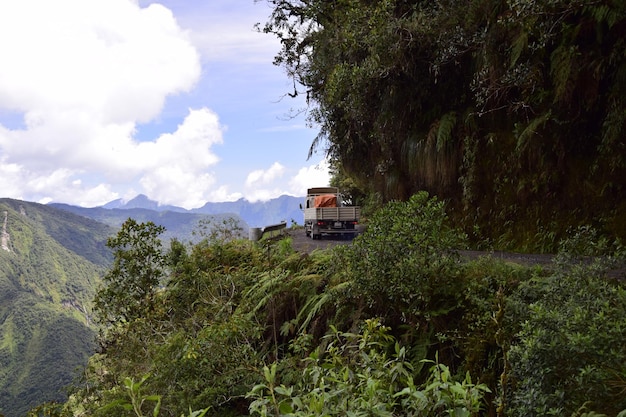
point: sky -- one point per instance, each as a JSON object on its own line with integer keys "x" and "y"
{"x": 175, "y": 99}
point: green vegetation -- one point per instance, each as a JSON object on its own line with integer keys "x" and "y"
{"x": 131, "y": 284}
{"x": 355, "y": 376}
{"x": 49, "y": 271}
{"x": 512, "y": 111}
{"x": 396, "y": 324}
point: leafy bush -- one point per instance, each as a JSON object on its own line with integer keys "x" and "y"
{"x": 364, "y": 374}
{"x": 405, "y": 263}
{"x": 536, "y": 341}
{"x": 570, "y": 351}
{"x": 132, "y": 282}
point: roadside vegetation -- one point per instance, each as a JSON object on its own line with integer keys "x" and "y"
{"x": 396, "y": 324}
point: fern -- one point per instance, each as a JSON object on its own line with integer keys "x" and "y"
{"x": 524, "y": 138}
{"x": 561, "y": 64}
{"x": 315, "y": 304}
{"x": 265, "y": 289}
{"x": 603, "y": 13}
{"x": 444, "y": 131}
{"x": 519, "y": 45}
{"x": 411, "y": 148}
{"x": 612, "y": 133}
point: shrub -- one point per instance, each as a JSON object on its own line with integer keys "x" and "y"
{"x": 405, "y": 263}
{"x": 365, "y": 374}
{"x": 570, "y": 351}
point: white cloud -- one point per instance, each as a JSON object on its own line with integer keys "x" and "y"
{"x": 317, "y": 175}
{"x": 176, "y": 164}
{"x": 83, "y": 73}
{"x": 107, "y": 57}
{"x": 263, "y": 177}
{"x": 21, "y": 183}
{"x": 223, "y": 193}
{"x": 264, "y": 194}
{"x": 10, "y": 183}
{"x": 263, "y": 185}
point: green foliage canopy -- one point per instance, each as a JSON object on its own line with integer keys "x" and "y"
{"x": 511, "y": 110}
{"x": 412, "y": 246}
{"x": 138, "y": 267}
{"x": 352, "y": 329}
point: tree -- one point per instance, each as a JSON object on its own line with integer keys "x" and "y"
{"x": 131, "y": 284}
{"x": 512, "y": 111}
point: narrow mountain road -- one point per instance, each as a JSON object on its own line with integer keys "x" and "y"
{"x": 304, "y": 244}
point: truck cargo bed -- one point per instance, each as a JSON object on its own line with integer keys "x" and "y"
{"x": 333, "y": 213}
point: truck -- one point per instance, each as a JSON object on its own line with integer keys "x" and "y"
{"x": 325, "y": 214}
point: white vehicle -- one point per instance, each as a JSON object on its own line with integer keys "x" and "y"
{"x": 325, "y": 214}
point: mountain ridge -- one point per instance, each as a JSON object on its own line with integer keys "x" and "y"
{"x": 255, "y": 214}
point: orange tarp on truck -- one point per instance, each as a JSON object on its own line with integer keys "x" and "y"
{"x": 326, "y": 200}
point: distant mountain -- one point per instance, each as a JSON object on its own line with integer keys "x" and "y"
{"x": 178, "y": 224}
{"x": 51, "y": 262}
{"x": 141, "y": 202}
{"x": 284, "y": 208}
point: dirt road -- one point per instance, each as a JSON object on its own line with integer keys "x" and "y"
{"x": 303, "y": 243}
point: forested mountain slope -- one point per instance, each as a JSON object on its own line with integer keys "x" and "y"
{"x": 50, "y": 264}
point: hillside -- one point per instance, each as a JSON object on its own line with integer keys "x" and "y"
{"x": 50, "y": 264}
{"x": 513, "y": 112}
{"x": 392, "y": 323}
